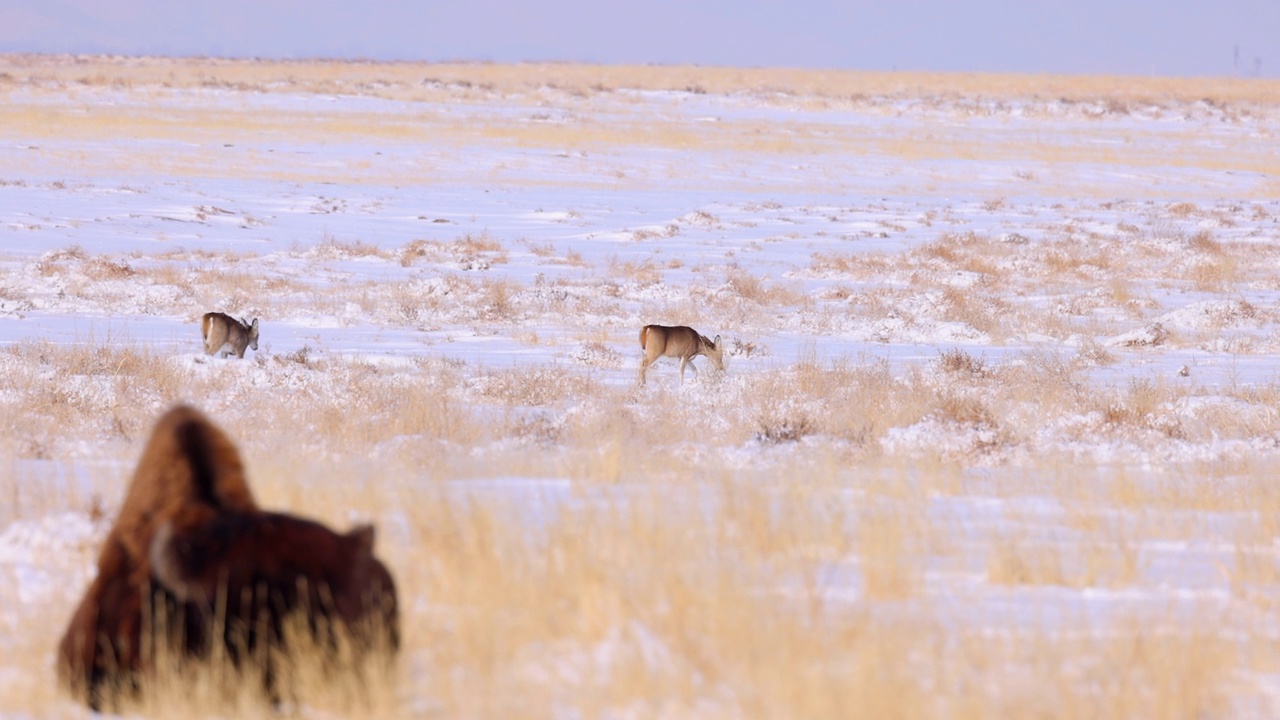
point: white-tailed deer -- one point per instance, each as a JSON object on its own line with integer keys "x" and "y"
{"x": 678, "y": 342}
{"x": 221, "y": 330}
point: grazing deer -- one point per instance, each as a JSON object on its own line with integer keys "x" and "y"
{"x": 221, "y": 330}
{"x": 678, "y": 342}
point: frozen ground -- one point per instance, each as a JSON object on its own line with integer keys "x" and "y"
{"x": 542, "y": 231}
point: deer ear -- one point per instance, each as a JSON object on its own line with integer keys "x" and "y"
{"x": 716, "y": 342}
{"x": 255, "y": 322}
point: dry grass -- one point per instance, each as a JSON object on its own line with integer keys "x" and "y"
{"x": 802, "y": 537}
{"x": 468, "y": 252}
{"x": 622, "y": 119}
{"x": 674, "y": 585}
{"x": 782, "y": 597}
{"x": 1118, "y": 95}
{"x": 311, "y": 676}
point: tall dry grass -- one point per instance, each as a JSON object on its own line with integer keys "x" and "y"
{"x": 631, "y": 566}
{"x": 958, "y": 536}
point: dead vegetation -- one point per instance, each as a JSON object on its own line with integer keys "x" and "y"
{"x": 817, "y": 534}
{"x": 429, "y": 81}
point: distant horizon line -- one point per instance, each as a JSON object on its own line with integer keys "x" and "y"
{"x": 322, "y": 58}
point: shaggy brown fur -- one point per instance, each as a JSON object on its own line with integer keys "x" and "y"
{"x": 190, "y": 510}
{"x": 346, "y": 590}
{"x": 189, "y": 470}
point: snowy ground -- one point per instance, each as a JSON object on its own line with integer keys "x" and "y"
{"x": 1075, "y": 312}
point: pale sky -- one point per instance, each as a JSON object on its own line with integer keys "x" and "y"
{"x": 1133, "y": 37}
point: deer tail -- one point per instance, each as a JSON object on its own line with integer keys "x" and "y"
{"x": 644, "y": 336}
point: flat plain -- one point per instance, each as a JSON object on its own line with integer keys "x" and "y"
{"x": 998, "y": 435}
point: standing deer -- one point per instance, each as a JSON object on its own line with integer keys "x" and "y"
{"x": 221, "y": 330}
{"x": 678, "y": 342}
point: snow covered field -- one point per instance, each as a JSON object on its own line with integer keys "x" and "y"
{"x": 998, "y": 435}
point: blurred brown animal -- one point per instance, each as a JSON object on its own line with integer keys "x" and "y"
{"x": 188, "y": 467}
{"x": 306, "y": 565}
{"x": 677, "y": 342}
{"x": 220, "y": 331}
{"x": 189, "y": 528}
